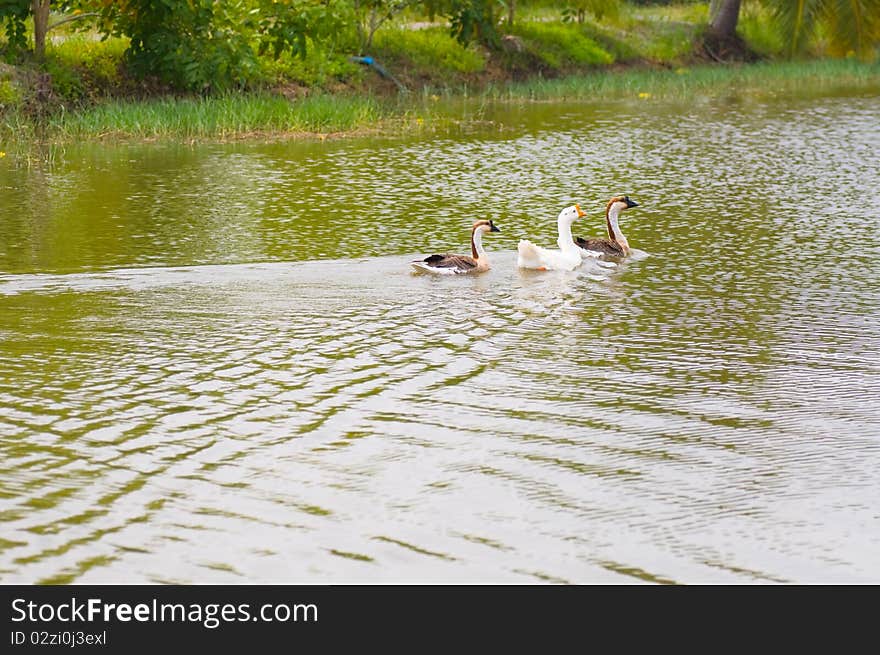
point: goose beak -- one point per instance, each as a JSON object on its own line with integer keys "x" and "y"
{"x": 631, "y": 203}
{"x": 493, "y": 228}
{"x": 580, "y": 212}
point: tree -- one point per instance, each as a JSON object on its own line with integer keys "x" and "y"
{"x": 291, "y": 24}
{"x": 852, "y": 26}
{"x": 191, "y": 44}
{"x": 40, "y": 11}
{"x": 202, "y": 45}
{"x": 14, "y": 13}
{"x": 372, "y": 14}
{"x": 469, "y": 20}
{"x": 723, "y": 17}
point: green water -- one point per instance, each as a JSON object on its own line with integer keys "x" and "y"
{"x": 217, "y": 366}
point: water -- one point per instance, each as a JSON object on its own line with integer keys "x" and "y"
{"x": 216, "y": 365}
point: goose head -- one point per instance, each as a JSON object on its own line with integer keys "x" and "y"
{"x": 570, "y": 214}
{"x": 485, "y": 226}
{"x": 618, "y": 203}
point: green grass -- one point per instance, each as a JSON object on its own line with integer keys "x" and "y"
{"x": 10, "y": 94}
{"x": 561, "y": 45}
{"x": 660, "y": 33}
{"x": 225, "y": 117}
{"x": 88, "y": 78}
{"x": 430, "y": 49}
{"x": 262, "y": 115}
{"x": 764, "y": 78}
{"x": 663, "y": 33}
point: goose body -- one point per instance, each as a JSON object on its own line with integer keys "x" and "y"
{"x": 449, "y": 264}
{"x": 598, "y": 247}
{"x": 566, "y": 258}
{"x": 616, "y": 244}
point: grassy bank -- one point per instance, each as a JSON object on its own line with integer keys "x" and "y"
{"x": 268, "y": 115}
{"x": 83, "y": 89}
{"x": 218, "y": 118}
{"x": 765, "y": 78}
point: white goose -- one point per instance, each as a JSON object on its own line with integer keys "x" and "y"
{"x": 567, "y": 258}
{"x": 447, "y": 264}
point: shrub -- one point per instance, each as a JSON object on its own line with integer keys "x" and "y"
{"x": 431, "y": 48}
{"x": 81, "y": 64}
{"x": 10, "y": 95}
{"x": 317, "y": 67}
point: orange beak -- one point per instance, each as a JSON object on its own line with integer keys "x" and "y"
{"x": 580, "y": 212}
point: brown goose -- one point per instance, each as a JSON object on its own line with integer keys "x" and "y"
{"x": 616, "y": 244}
{"x": 447, "y": 264}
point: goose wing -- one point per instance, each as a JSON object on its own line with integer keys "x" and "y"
{"x": 462, "y": 262}
{"x": 603, "y": 246}
{"x": 447, "y": 262}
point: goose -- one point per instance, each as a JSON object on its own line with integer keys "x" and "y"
{"x": 567, "y": 258}
{"x": 460, "y": 264}
{"x": 616, "y": 244}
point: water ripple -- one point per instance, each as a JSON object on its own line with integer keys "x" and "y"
{"x": 171, "y": 411}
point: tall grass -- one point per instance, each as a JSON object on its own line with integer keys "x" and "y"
{"x": 764, "y": 78}
{"x": 224, "y": 117}
{"x": 264, "y": 115}
{"x": 233, "y": 116}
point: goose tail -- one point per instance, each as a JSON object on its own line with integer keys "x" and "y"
{"x": 419, "y": 265}
{"x": 529, "y": 255}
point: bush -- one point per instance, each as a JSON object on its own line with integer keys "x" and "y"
{"x": 10, "y": 95}
{"x": 431, "y": 48}
{"x": 190, "y": 44}
{"x": 67, "y": 81}
{"x": 80, "y": 65}
{"x": 318, "y": 67}
{"x": 13, "y": 14}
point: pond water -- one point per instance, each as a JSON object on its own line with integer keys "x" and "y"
{"x": 216, "y": 365}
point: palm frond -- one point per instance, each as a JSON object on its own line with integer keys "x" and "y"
{"x": 854, "y": 26}
{"x": 797, "y": 20}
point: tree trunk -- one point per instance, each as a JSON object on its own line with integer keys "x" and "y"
{"x": 511, "y": 10}
{"x": 723, "y": 17}
{"x": 40, "y": 10}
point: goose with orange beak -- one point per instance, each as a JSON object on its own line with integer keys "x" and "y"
{"x": 567, "y": 258}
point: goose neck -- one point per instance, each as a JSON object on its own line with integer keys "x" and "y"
{"x": 611, "y": 219}
{"x": 565, "y": 240}
{"x": 477, "y": 243}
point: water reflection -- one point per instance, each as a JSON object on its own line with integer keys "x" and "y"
{"x": 217, "y": 366}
